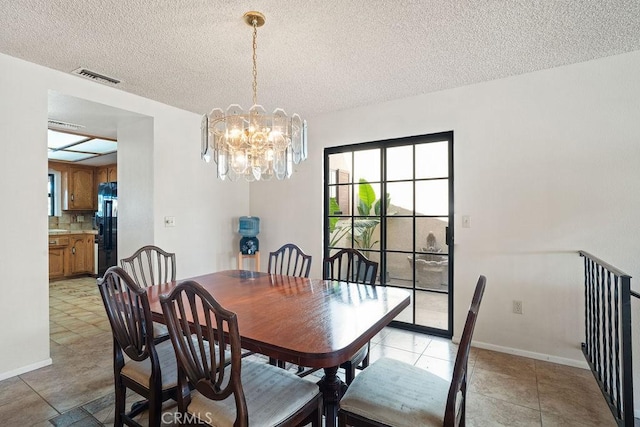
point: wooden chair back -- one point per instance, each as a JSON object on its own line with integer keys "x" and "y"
{"x": 201, "y": 357}
{"x": 458, "y": 388}
{"x": 150, "y": 266}
{"x": 289, "y": 260}
{"x": 128, "y": 311}
{"x": 350, "y": 265}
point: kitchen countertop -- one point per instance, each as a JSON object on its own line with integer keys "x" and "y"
{"x": 59, "y": 231}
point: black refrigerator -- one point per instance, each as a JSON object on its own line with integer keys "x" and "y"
{"x": 107, "y": 223}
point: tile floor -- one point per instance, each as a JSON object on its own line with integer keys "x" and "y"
{"x": 77, "y": 389}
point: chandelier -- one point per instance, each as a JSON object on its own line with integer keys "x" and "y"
{"x": 254, "y": 145}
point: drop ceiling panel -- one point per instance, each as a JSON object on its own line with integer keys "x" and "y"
{"x": 60, "y": 139}
{"x": 69, "y": 156}
{"x": 100, "y": 146}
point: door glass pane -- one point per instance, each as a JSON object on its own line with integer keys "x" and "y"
{"x": 432, "y": 272}
{"x": 431, "y": 234}
{"x": 366, "y": 233}
{"x": 340, "y": 200}
{"x": 341, "y": 162}
{"x": 432, "y": 197}
{"x": 399, "y": 232}
{"x": 399, "y": 271}
{"x": 400, "y": 198}
{"x": 400, "y": 163}
{"x": 432, "y": 160}
{"x": 366, "y": 198}
{"x": 432, "y": 309}
{"x": 340, "y": 232}
{"x": 367, "y": 165}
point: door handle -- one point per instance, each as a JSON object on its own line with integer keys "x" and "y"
{"x": 448, "y": 236}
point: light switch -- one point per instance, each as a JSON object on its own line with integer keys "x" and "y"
{"x": 169, "y": 221}
{"x": 466, "y": 221}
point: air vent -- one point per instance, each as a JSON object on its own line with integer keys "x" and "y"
{"x": 57, "y": 124}
{"x": 92, "y": 75}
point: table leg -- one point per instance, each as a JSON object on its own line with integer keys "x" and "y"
{"x": 332, "y": 389}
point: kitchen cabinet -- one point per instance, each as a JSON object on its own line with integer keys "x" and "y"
{"x": 56, "y": 263}
{"x": 81, "y": 254}
{"x": 78, "y": 189}
{"x": 70, "y": 255}
{"x": 57, "y": 256}
{"x": 108, "y": 173}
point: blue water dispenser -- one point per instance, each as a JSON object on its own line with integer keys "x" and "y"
{"x": 249, "y": 228}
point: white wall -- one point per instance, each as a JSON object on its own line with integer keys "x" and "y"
{"x": 545, "y": 164}
{"x": 24, "y": 302}
{"x": 182, "y": 186}
{"x": 135, "y": 186}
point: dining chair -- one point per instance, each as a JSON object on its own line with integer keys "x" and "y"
{"x": 151, "y": 265}
{"x": 397, "y": 394}
{"x": 139, "y": 364}
{"x": 352, "y": 266}
{"x": 289, "y": 260}
{"x": 237, "y": 392}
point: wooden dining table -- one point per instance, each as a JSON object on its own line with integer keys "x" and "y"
{"x": 309, "y": 322}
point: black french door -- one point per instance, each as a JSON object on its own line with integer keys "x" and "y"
{"x": 393, "y": 201}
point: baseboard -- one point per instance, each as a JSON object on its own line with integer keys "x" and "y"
{"x": 25, "y": 369}
{"x": 530, "y": 354}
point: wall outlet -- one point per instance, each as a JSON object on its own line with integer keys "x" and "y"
{"x": 169, "y": 221}
{"x": 517, "y": 307}
{"x": 80, "y": 218}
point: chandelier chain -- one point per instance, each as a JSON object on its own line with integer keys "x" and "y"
{"x": 255, "y": 60}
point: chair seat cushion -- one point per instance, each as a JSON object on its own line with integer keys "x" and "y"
{"x": 159, "y": 330}
{"x": 398, "y": 394}
{"x": 272, "y": 395}
{"x": 140, "y": 372}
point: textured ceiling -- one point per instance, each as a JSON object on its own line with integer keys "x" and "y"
{"x": 314, "y": 56}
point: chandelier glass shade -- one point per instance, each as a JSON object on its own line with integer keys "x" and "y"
{"x": 253, "y": 145}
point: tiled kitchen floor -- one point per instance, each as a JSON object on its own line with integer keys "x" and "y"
{"x": 77, "y": 389}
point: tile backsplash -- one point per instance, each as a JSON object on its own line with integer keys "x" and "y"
{"x": 72, "y": 221}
